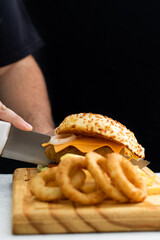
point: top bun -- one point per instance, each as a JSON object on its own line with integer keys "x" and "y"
{"x": 97, "y": 125}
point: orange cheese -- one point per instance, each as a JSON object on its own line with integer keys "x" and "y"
{"x": 87, "y": 144}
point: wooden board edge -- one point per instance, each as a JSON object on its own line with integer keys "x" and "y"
{"x": 19, "y": 223}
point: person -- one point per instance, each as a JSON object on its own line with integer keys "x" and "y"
{"x": 24, "y": 100}
{"x": 101, "y": 57}
{"x": 23, "y": 91}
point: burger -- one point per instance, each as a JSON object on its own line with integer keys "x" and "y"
{"x": 85, "y": 132}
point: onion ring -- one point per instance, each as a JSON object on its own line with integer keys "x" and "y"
{"x": 62, "y": 138}
{"x": 42, "y": 192}
{"x": 45, "y": 188}
{"x": 101, "y": 177}
{"x": 62, "y": 177}
{"x": 125, "y": 177}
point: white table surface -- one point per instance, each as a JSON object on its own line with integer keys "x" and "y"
{"x": 5, "y": 222}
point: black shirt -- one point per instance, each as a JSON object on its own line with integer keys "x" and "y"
{"x": 18, "y": 38}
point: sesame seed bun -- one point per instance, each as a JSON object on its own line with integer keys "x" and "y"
{"x": 97, "y": 125}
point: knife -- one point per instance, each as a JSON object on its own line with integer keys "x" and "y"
{"x": 21, "y": 145}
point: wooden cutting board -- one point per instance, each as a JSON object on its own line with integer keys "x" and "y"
{"x": 30, "y": 216}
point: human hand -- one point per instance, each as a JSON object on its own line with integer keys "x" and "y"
{"x": 8, "y": 115}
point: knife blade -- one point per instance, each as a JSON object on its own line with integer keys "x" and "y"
{"x": 21, "y": 145}
{"x": 141, "y": 163}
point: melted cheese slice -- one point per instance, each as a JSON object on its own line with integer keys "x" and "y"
{"x": 87, "y": 144}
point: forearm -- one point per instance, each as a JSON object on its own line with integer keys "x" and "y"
{"x": 23, "y": 89}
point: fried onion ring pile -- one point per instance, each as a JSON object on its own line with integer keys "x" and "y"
{"x": 91, "y": 180}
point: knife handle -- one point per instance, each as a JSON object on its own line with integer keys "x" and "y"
{"x": 4, "y": 133}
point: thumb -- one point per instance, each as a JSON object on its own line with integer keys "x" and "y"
{"x": 10, "y": 116}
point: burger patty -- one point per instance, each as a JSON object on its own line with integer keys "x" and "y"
{"x": 55, "y": 156}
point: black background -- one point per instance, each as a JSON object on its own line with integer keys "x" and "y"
{"x": 103, "y": 57}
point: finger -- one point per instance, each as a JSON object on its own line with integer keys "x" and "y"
{"x": 8, "y": 115}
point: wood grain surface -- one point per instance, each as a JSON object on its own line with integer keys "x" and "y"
{"x": 30, "y": 216}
